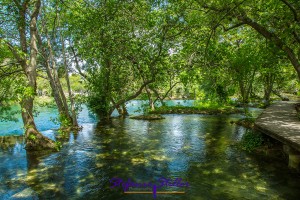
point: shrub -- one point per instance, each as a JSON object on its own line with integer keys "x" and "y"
{"x": 251, "y": 140}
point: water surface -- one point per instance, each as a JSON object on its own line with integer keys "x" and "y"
{"x": 197, "y": 148}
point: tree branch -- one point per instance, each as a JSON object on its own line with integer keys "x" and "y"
{"x": 274, "y": 38}
{"x": 233, "y": 27}
{"x": 296, "y": 36}
{"x": 14, "y": 51}
{"x": 136, "y": 94}
{"x": 76, "y": 62}
{"x": 166, "y": 94}
{"x": 10, "y": 73}
{"x": 292, "y": 9}
{"x": 9, "y": 64}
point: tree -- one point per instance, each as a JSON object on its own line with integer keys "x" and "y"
{"x": 51, "y": 48}
{"x": 25, "y": 17}
{"x": 277, "y": 21}
{"x": 125, "y": 50}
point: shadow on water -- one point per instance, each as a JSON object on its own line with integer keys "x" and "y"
{"x": 199, "y": 149}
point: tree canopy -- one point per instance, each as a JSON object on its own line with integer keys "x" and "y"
{"x": 113, "y": 51}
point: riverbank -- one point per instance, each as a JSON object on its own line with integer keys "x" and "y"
{"x": 196, "y": 110}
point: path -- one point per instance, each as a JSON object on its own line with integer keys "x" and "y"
{"x": 280, "y": 122}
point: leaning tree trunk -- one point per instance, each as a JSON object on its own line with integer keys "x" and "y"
{"x": 74, "y": 117}
{"x": 124, "y": 109}
{"x": 51, "y": 71}
{"x": 34, "y": 139}
{"x": 290, "y": 53}
{"x": 57, "y": 85}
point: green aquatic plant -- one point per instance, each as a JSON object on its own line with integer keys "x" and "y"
{"x": 251, "y": 140}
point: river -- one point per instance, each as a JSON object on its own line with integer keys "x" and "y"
{"x": 198, "y": 149}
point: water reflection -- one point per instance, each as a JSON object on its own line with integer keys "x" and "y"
{"x": 45, "y": 123}
{"x": 196, "y": 148}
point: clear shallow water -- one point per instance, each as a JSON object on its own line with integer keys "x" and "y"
{"x": 45, "y": 114}
{"x": 43, "y": 121}
{"x": 197, "y": 148}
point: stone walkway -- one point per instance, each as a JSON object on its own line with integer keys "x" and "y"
{"x": 280, "y": 122}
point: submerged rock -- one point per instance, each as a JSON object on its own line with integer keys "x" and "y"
{"x": 27, "y": 194}
{"x": 148, "y": 117}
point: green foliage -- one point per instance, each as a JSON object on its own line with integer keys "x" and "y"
{"x": 212, "y": 105}
{"x": 119, "y": 46}
{"x": 32, "y": 137}
{"x": 64, "y": 120}
{"x": 128, "y": 50}
{"x": 44, "y": 101}
{"x": 23, "y": 92}
{"x": 8, "y": 113}
{"x": 251, "y": 140}
{"x": 247, "y": 122}
{"x": 58, "y": 145}
{"x": 144, "y": 108}
{"x": 54, "y": 120}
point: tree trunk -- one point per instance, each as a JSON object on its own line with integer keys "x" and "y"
{"x": 76, "y": 61}
{"x": 151, "y": 103}
{"x": 136, "y": 94}
{"x": 268, "y": 87}
{"x": 120, "y": 111}
{"x": 242, "y": 91}
{"x": 34, "y": 139}
{"x": 120, "y": 108}
{"x": 57, "y": 84}
{"x": 161, "y": 99}
{"x": 74, "y": 117}
{"x": 125, "y": 112}
{"x": 277, "y": 93}
{"x": 59, "y": 97}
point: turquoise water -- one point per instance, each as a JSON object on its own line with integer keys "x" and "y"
{"x": 45, "y": 114}
{"x": 199, "y": 149}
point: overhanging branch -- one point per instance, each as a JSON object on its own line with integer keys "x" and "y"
{"x": 136, "y": 94}
{"x": 233, "y": 26}
{"x": 292, "y": 9}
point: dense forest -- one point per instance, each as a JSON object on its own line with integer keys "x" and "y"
{"x": 105, "y": 53}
